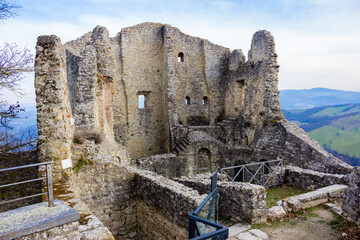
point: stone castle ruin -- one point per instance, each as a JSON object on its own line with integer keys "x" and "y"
{"x": 137, "y": 111}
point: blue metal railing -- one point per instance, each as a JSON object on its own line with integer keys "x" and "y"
{"x": 203, "y": 221}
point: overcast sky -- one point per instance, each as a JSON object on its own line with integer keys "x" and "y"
{"x": 317, "y": 41}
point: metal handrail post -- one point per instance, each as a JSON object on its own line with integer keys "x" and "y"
{"x": 50, "y": 192}
{"x": 279, "y": 164}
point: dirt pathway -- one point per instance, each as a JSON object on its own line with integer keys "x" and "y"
{"x": 320, "y": 224}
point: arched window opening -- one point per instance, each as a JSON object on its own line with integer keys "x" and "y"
{"x": 181, "y": 57}
{"x": 205, "y": 100}
{"x": 187, "y": 100}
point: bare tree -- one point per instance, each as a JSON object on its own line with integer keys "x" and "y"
{"x": 14, "y": 62}
{"x": 7, "y": 9}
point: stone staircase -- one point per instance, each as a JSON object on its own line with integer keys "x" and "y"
{"x": 182, "y": 145}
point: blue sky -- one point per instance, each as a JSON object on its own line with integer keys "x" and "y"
{"x": 318, "y": 41}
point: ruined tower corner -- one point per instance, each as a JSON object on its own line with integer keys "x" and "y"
{"x": 262, "y": 47}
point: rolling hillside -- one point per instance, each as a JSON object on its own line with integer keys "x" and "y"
{"x": 316, "y": 97}
{"x": 336, "y": 128}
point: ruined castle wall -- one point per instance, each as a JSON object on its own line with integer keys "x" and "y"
{"x": 261, "y": 80}
{"x": 190, "y": 80}
{"x": 199, "y": 66}
{"x": 143, "y": 72}
{"x": 120, "y": 97}
{"x": 72, "y": 50}
{"x": 55, "y": 122}
{"x": 235, "y": 87}
{"x": 216, "y": 67}
{"x": 169, "y": 164}
{"x": 106, "y": 188}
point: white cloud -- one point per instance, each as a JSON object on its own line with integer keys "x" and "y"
{"x": 317, "y": 41}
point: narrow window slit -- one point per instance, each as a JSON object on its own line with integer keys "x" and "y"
{"x": 181, "y": 57}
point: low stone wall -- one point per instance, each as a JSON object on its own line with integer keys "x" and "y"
{"x": 351, "y": 203}
{"x": 170, "y": 199}
{"x": 168, "y": 165}
{"x": 314, "y": 198}
{"x": 310, "y": 179}
{"x": 240, "y": 201}
{"x": 155, "y": 225}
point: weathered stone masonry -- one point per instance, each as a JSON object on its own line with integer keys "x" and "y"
{"x": 164, "y": 101}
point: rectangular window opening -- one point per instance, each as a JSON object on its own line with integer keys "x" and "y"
{"x": 141, "y": 101}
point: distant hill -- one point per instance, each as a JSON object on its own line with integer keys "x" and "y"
{"x": 336, "y": 128}
{"x": 316, "y": 97}
{"x": 24, "y": 126}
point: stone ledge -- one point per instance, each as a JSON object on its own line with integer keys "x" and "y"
{"x": 34, "y": 218}
{"x": 313, "y": 198}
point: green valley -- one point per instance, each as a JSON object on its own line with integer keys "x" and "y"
{"x": 336, "y": 128}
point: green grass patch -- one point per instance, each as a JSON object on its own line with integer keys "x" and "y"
{"x": 336, "y": 111}
{"x": 343, "y": 141}
{"x": 349, "y": 123}
{"x": 277, "y": 193}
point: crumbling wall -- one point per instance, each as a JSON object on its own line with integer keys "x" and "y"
{"x": 237, "y": 201}
{"x": 351, "y": 203}
{"x": 169, "y": 165}
{"x": 199, "y": 69}
{"x": 143, "y": 72}
{"x": 106, "y": 188}
{"x": 163, "y": 206}
{"x": 54, "y": 116}
{"x": 261, "y": 85}
{"x": 310, "y": 179}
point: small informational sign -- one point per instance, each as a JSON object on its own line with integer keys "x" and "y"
{"x": 66, "y": 163}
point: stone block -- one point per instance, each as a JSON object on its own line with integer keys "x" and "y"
{"x": 238, "y": 228}
{"x": 275, "y": 212}
{"x": 259, "y": 233}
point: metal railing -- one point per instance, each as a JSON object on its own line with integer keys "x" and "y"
{"x": 48, "y": 178}
{"x": 203, "y": 221}
{"x": 266, "y": 174}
